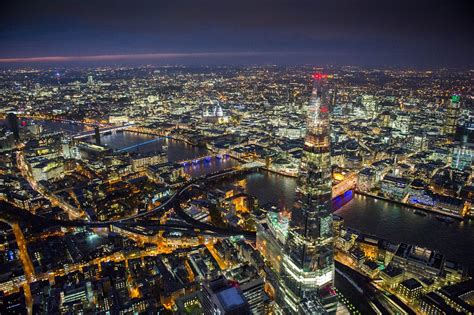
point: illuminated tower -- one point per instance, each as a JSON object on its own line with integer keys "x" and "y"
{"x": 463, "y": 147}
{"x": 12, "y": 120}
{"x": 452, "y": 114}
{"x": 97, "y": 135}
{"x": 307, "y": 266}
{"x": 333, "y": 100}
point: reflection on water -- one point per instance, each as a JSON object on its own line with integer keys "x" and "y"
{"x": 51, "y": 126}
{"x": 68, "y": 128}
{"x": 372, "y": 216}
{"x": 369, "y": 215}
{"x": 269, "y": 187}
{"x": 177, "y": 150}
{"x": 401, "y": 224}
{"x": 342, "y": 200}
{"x": 207, "y": 166}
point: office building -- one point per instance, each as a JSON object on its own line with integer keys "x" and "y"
{"x": 253, "y": 293}
{"x": 12, "y": 120}
{"x": 220, "y": 297}
{"x": 459, "y": 296}
{"x": 463, "y": 149}
{"x": 97, "y": 135}
{"x": 307, "y": 271}
{"x": 410, "y": 289}
{"x": 7, "y": 142}
{"x": 452, "y": 114}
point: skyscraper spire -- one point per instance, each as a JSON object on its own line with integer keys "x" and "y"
{"x": 307, "y": 271}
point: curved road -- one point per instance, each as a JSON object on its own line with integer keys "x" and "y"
{"x": 172, "y": 202}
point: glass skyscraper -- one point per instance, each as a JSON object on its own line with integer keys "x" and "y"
{"x": 452, "y": 114}
{"x": 307, "y": 266}
{"x": 463, "y": 147}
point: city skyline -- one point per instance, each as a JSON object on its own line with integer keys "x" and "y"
{"x": 271, "y": 157}
{"x": 251, "y": 188}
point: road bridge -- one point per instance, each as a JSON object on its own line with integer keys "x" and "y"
{"x": 13, "y": 215}
{"x": 89, "y": 133}
{"x": 203, "y": 158}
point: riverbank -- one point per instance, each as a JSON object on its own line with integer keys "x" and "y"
{"x": 239, "y": 159}
{"x": 400, "y": 224}
{"x": 160, "y": 135}
{"x": 279, "y": 172}
{"x": 409, "y": 205}
{"x": 140, "y": 131}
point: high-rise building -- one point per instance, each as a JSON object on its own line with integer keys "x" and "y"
{"x": 333, "y": 100}
{"x": 463, "y": 147}
{"x": 7, "y": 142}
{"x": 452, "y": 114}
{"x": 12, "y": 120}
{"x": 307, "y": 270}
{"x": 220, "y": 297}
{"x": 253, "y": 293}
{"x": 97, "y": 135}
{"x": 370, "y": 105}
{"x": 402, "y": 124}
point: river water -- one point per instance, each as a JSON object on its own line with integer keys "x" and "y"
{"x": 399, "y": 224}
{"x": 384, "y": 219}
{"x": 177, "y": 151}
{"x": 50, "y": 125}
{"x": 369, "y": 215}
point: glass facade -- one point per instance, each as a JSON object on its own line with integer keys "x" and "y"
{"x": 463, "y": 147}
{"x": 452, "y": 114}
{"x": 308, "y": 264}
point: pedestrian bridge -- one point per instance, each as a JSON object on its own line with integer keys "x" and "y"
{"x": 86, "y": 134}
{"x": 252, "y": 165}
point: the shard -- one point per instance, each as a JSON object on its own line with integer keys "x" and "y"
{"x": 307, "y": 266}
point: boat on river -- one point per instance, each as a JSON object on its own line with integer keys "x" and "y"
{"x": 420, "y": 213}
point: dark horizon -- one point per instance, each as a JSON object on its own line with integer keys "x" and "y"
{"x": 425, "y": 34}
{"x": 84, "y": 62}
{"x": 192, "y": 64}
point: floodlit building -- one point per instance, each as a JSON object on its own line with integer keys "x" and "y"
{"x": 410, "y": 289}
{"x": 463, "y": 149}
{"x": 307, "y": 266}
{"x": 452, "y": 114}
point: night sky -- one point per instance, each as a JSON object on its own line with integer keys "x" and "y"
{"x": 415, "y": 33}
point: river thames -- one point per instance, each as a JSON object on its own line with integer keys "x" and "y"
{"x": 368, "y": 215}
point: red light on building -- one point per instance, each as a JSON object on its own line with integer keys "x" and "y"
{"x": 23, "y": 123}
{"x": 319, "y": 76}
